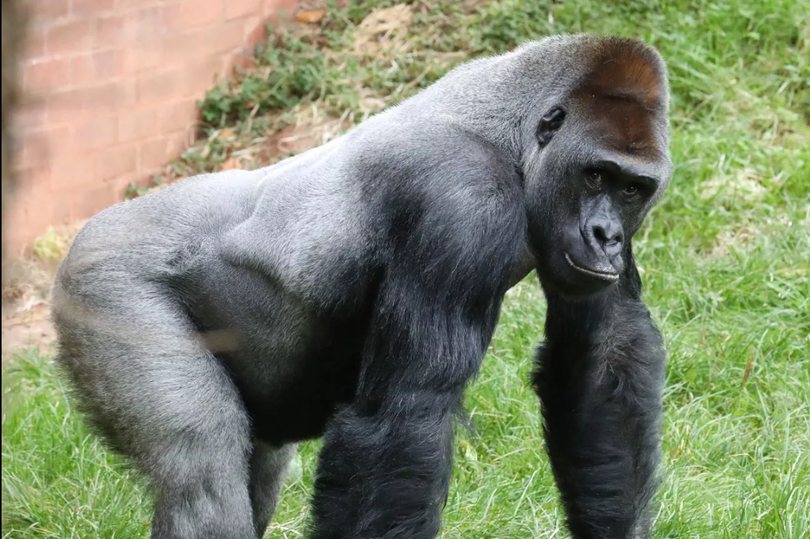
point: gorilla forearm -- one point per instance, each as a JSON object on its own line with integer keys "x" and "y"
{"x": 368, "y": 460}
{"x": 394, "y": 442}
{"x": 600, "y": 375}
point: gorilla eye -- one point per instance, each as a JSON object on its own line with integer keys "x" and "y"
{"x": 594, "y": 180}
{"x": 631, "y": 190}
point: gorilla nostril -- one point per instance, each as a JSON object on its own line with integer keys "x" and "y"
{"x": 600, "y": 234}
{"x": 607, "y": 236}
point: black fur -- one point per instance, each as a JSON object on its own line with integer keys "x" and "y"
{"x": 600, "y": 374}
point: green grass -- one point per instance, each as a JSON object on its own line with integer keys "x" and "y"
{"x": 725, "y": 263}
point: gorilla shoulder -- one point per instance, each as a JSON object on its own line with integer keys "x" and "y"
{"x": 323, "y": 230}
{"x": 143, "y": 234}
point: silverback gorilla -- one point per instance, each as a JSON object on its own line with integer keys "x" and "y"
{"x": 351, "y": 292}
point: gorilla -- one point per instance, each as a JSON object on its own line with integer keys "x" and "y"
{"x": 351, "y": 292}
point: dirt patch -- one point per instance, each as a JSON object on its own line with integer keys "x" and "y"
{"x": 311, "y": 128}
{"x": 30, "y": 328}
{"x": 26, "y": 290}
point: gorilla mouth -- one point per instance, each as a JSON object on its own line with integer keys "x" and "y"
{"x": 593, "y": 272}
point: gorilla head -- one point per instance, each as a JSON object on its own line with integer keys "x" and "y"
{"x": 596, "y": 162}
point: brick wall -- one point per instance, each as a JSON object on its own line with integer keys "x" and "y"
{"x": 110, "y": 89}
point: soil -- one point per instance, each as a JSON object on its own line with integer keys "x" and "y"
{"x": 26, "y": 327}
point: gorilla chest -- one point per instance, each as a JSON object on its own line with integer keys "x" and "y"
{"x": 294, "y": 378}
{"x": 291, "y": 365}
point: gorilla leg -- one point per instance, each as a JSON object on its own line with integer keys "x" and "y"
{"x": 600, "y": 377}
{"x": 164, "y": 401}
{"x": 268, "y": 468}
{"x": 202, "y": 486}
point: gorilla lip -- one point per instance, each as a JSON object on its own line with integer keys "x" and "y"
{"x": 604, "y": 275}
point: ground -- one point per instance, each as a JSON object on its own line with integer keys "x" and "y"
{"x": 724, "y": 260}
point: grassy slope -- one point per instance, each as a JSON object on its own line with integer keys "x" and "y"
{"x": 725, "y": 262}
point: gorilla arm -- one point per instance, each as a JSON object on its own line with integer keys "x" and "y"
{"x": 385, "y": 465}
{"x": 600, "y": 167}
{"x": 600, "y": 377}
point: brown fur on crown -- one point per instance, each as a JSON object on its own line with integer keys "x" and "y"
{"x": 624, "y": 93}
{"x": 626, "y": 69}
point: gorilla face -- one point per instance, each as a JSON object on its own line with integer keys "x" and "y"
{"x": 599, "y": 165}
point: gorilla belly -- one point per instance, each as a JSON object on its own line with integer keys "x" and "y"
{"x": 292, "y": 365}
{"x": 291, "y": 397}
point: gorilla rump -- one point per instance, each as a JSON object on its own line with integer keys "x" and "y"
{"x": 351, "y": 292}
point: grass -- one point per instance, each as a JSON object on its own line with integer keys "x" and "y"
{"x": 724, "y": 259}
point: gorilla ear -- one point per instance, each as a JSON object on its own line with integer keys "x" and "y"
{"x": 550, "y": 123}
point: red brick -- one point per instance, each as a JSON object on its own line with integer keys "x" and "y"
{"x": 161, "y": 87}
{"x": 159, "y": 151}
{"x": 44, "y": 76}
{"x": 124, "y": 29}
{"x": 179, "y": 116}
{"x": 91, "y": 7}
{"x": 256, "y": 33}
{"x": 137, "y": 124}
{"x": 242, "y": 8}
{"x": 72, "y": 173}
{"x": 149, "y": 23}
{"x": 61, "y": 214}
{"x": 29, "y": 117}
{"x": 102, "y": 99}
{"x": 122, "y": 5}
{"x": 32, "y": 197}
{"x": 96, "y": 67}
{"x": 64, "y": 107}
{"x": 93, "y": 200}
{"x": 144, "y": 56}
{"x": 40, "y": 204}
{"x": 62, "y": 147}
{"x": 106, "y": 97}
{"x": 45, "y": 11}
{"x": 31, "y": 213}
{"x": 174, "y": 53}
{"x": 207, "y": 41}
{"x": 112, "y": 31}
{"x": 34, "y": 43}
{"x": 116, "y": 161}
{"x": 192, "y": 13}
{"x": 274, "y": 9}
{"x": 30, "y": 154}
{"x": 32, "y": 150}
{"x": 201, "y": 75}
{"x": 70, "y": 37}
{"x": 249, "y": 26}
{"x": 97, "y": 133}
{"x": 40, "y": 148}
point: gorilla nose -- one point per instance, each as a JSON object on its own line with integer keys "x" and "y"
{"x": 608, "y": 235}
